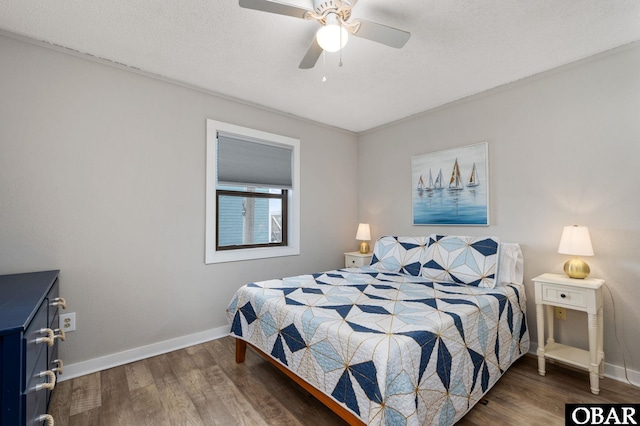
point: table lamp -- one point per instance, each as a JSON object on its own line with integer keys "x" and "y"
{"x": 364, "y": 235}
{"x": 575, "y": 241}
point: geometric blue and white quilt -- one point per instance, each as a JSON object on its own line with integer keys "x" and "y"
{"x": 393, "y": 348}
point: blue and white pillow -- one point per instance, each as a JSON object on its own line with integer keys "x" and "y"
{"x": 462, "y": 260}
{"x": 400, "y": 254}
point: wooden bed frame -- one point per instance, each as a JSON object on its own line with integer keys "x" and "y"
{"x": 346, "y": 415}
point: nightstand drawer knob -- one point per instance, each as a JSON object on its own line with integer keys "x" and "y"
{"x": 563, "y": 295}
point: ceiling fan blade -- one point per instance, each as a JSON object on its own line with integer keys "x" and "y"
{"x": 274, "y": 7}
{"x": 310, "y": 59}
{"x": 382, "y": 34}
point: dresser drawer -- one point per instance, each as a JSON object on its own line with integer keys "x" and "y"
{"x": 39, "y": 366}
{"x": 53, "y": 301}
{"x": 35, "y": 395}
{"x": 564, "y": 296}
{"x": 36, "y": 399}
{"x": 52, "y": 355}
{"x": 53, "y": 350}
{"x": 34, "y": 343}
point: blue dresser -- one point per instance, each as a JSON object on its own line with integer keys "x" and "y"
{"x": 29, "y": 336}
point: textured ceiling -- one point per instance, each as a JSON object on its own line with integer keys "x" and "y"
{"x": 457, "y": 48}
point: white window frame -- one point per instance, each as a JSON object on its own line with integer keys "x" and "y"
{"x": 293, "y": 212}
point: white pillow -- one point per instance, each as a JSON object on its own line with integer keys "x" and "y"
{"x": 510, "y": 264}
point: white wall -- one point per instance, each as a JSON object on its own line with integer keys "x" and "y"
{"x": 564, "y": 148}
{"x": 102, "y": 175}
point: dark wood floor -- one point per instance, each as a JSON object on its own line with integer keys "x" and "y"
{"x": 202, "y": 385}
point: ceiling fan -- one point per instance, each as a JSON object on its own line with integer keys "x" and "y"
{"x": 334, "y": 17}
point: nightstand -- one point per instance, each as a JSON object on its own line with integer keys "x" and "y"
{"x": 355, "y": 259}
{"x": 581, "y": 295}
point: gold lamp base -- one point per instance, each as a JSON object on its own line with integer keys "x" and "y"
{"x": 576, "y": 268}
{"x": 364, "y": 247}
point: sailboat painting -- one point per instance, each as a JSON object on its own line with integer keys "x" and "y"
{"x": 459, "y": 195}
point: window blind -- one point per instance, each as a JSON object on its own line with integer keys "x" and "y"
{"x": 248, "y": 162}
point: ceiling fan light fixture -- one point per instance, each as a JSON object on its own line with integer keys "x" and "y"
{"x": 333, "y": 36}
{"x": 335, "y": 18}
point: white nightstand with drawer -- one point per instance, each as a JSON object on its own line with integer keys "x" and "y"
{"x": 355, "y": 259}
{"x": 581, "y": 295}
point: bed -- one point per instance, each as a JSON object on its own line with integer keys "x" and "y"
{"x": 416, "y": 338}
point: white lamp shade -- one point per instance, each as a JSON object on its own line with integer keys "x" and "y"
{"x": 575, "y": 241}
{"x": 364, "y": 232}
{"x": 332, "y": 37}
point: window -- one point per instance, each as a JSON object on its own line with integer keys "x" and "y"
{"x": 250, "y": 217}
{"x": 252, "y": 194}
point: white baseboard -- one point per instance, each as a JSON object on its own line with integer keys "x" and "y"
{"x": 113, "y": 360}
{"x": 611, "y": 371}
{"x": 618, "y": 373}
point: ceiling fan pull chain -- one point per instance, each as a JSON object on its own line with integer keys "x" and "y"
{"x": 340, "y": 63}
{"x": 324, "y": 66}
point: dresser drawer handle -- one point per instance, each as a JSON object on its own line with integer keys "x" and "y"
{"x": 59, "y": 334}
{"x": 562, "y": 295}
{"x": 59, "y": 301}
{"x": 45, "y": 418}
{"x": 60, "y": 366}
{"x": 47, "y": 385}
{"x": 49, "y": 339}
